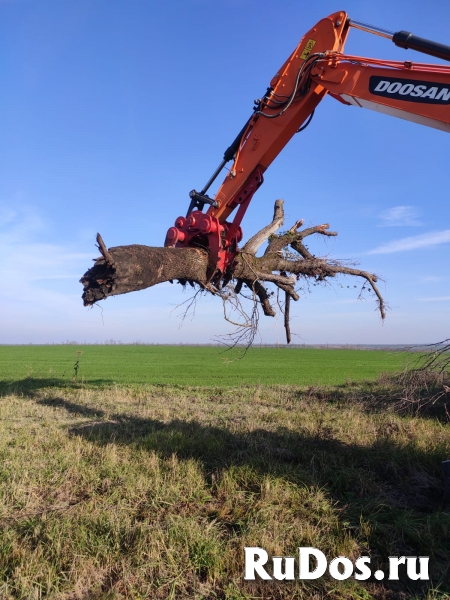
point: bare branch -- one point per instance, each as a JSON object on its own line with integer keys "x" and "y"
{"x": 278, "y": 279}
{"x": 289, "y": 290}
{"x": 322, "y": 229}
{"x": 293, "y": 238}
{"x": 287, "y": 323}
{"x": 106, "y": 255}
{"x": 263, "y": 296}
{"x": 255, "y": 242}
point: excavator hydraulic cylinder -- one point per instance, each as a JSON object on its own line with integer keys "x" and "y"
{"x": 405, "y": 39}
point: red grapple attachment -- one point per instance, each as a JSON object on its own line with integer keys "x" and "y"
{"x": 219, "y": 237}
{"x": 202, "y": 230}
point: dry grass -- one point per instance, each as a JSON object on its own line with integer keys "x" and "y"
{"x": 153, "y": 492}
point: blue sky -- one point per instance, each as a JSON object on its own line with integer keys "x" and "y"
{"x": 112, "y": 111}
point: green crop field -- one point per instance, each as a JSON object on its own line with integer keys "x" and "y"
{"x": 193, "y": 365}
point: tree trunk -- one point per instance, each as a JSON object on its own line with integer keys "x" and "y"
{"x": 132, "y": 268}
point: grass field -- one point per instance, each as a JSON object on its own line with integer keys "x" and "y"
{"x": 133, "y": 491}
{"x": 193, "y": 365}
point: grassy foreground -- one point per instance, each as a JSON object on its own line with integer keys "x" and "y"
{"x": 153, "y": 491}
{"x": 193, "y": 365}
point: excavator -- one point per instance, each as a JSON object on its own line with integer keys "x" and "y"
{"x": 408, "y": 90}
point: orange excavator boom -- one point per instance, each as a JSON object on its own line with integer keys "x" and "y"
{"x": 413, "y": 91}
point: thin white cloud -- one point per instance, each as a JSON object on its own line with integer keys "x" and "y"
{"x": 424, "y": 240}
{"x": 432, "y": 279}
{"x": 436, "y": 299}
{"x": 7, "y": 214}
{"x": 400, "y": 216}
{"x": 25, "y": 261}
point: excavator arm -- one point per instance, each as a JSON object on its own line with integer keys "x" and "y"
{"x": 417, "y": 92}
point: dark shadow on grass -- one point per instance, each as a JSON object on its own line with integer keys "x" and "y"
{"x": 383, "y": 484}
{"x": 72, "y": 407}
{"x": 30, "y": 385}
{"x": 385, "y": 469}
{"x": 426, "y": 395}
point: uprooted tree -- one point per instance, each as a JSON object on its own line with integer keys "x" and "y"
{"x": 285, "y": 262}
